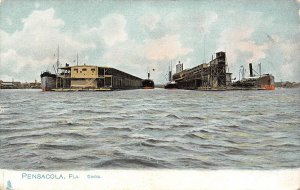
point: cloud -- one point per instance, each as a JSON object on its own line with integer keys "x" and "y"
{"x": 35, "y": 44}
{"x": 112, "y": 29}
{"x": 238, "y": 42}
{"x": 150, "y": 21}
{"x": 205, "y": 22}
{"x": 290, "y": 67}
{"x": 139, "y": 57}
{"x": 168, "y": 47}
{"x": 40, "y": 35}
{"x": 279, "y": 56}
{"x": 200, "y": 22}
{"x": 127, "y": 56}
{"x": 14, "y": 65}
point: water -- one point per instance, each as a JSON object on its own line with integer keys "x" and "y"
{"x": 150, "y": 129}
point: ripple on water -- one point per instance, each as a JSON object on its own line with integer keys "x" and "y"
{"x": 60, "y": 147}
{"x": 131, "y": 163}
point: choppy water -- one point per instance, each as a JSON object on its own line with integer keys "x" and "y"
{"x": 150, "y": 129}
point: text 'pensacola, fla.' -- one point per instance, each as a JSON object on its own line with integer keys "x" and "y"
{"x": 48, "y": 176}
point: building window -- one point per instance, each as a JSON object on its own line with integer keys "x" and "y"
{"x": 84, "y": 69}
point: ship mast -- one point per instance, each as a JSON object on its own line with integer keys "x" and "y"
{"x": 77, "y": 58}
{"x": 57, "y": 61}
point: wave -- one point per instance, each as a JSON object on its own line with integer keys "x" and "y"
{"x": 195, "y": 118}
{"x": 194, "y": 135}
{"x": 131, "y": 163}
{"x": 91, "y": 111}
{"x": 124, "y": 129}
{"x": 182, "y": 126}
{"x": 173, "y": 116}
{"x": 60, "y": 147}
{"x": 23, "y": 136}
{"x": 59, "y": 160}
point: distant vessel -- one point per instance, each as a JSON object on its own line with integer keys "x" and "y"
{"x": 48, "y": 81}
{"x": 148, "y": 83}
{"x": 171, "y": 84}
{"x": 260, "y": 82}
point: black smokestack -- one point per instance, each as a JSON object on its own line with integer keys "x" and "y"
{"x": 250, "y": 68}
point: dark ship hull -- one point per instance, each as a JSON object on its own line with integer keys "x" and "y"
{"x": 147, "y": 84}
{"x": 48, "y": 81}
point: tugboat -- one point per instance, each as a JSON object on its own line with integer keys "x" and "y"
{"x": 148, "y": 83}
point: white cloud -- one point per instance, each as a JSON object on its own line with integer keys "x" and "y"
{"x": 40, "y": 35}
{"x": 127, "y": 56}
{"x": 137, "y": 58}
{"x": 16, "y": 66}
{"x": 35, "y": 44}
{"x": 199, "y": 22}
{"x": 150, "y": 21}
{"x": 168, "y": 47}
{"x": 279, "y": 57}
{"x": 113, "y": 30}
{"x": 37, "y": 5}
{"x": 39, "y": 20}
{"x": 290, "y": 67}
{"x": 205, "y": 22}
{"x": 237, "y": 41}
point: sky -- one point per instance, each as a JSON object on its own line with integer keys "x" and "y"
{"x": 136, "y": 36}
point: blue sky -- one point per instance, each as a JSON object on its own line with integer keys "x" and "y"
{"x": 136, "y": 36}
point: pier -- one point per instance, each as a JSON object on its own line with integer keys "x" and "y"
{"x": 90, "y": 78}
{"x": 207, "y": 76}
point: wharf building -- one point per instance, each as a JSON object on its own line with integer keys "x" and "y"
{"x": 88, "y": 77}
{"x": 210, "y": 75}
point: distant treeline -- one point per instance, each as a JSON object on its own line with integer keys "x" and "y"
{"x": 287, "y": 84}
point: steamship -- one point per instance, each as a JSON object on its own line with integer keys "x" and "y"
{"x": 259, "y": 81}
{"x": 148, "y": 83}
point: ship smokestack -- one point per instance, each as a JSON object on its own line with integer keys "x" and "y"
{"x": 250, "y": 68}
